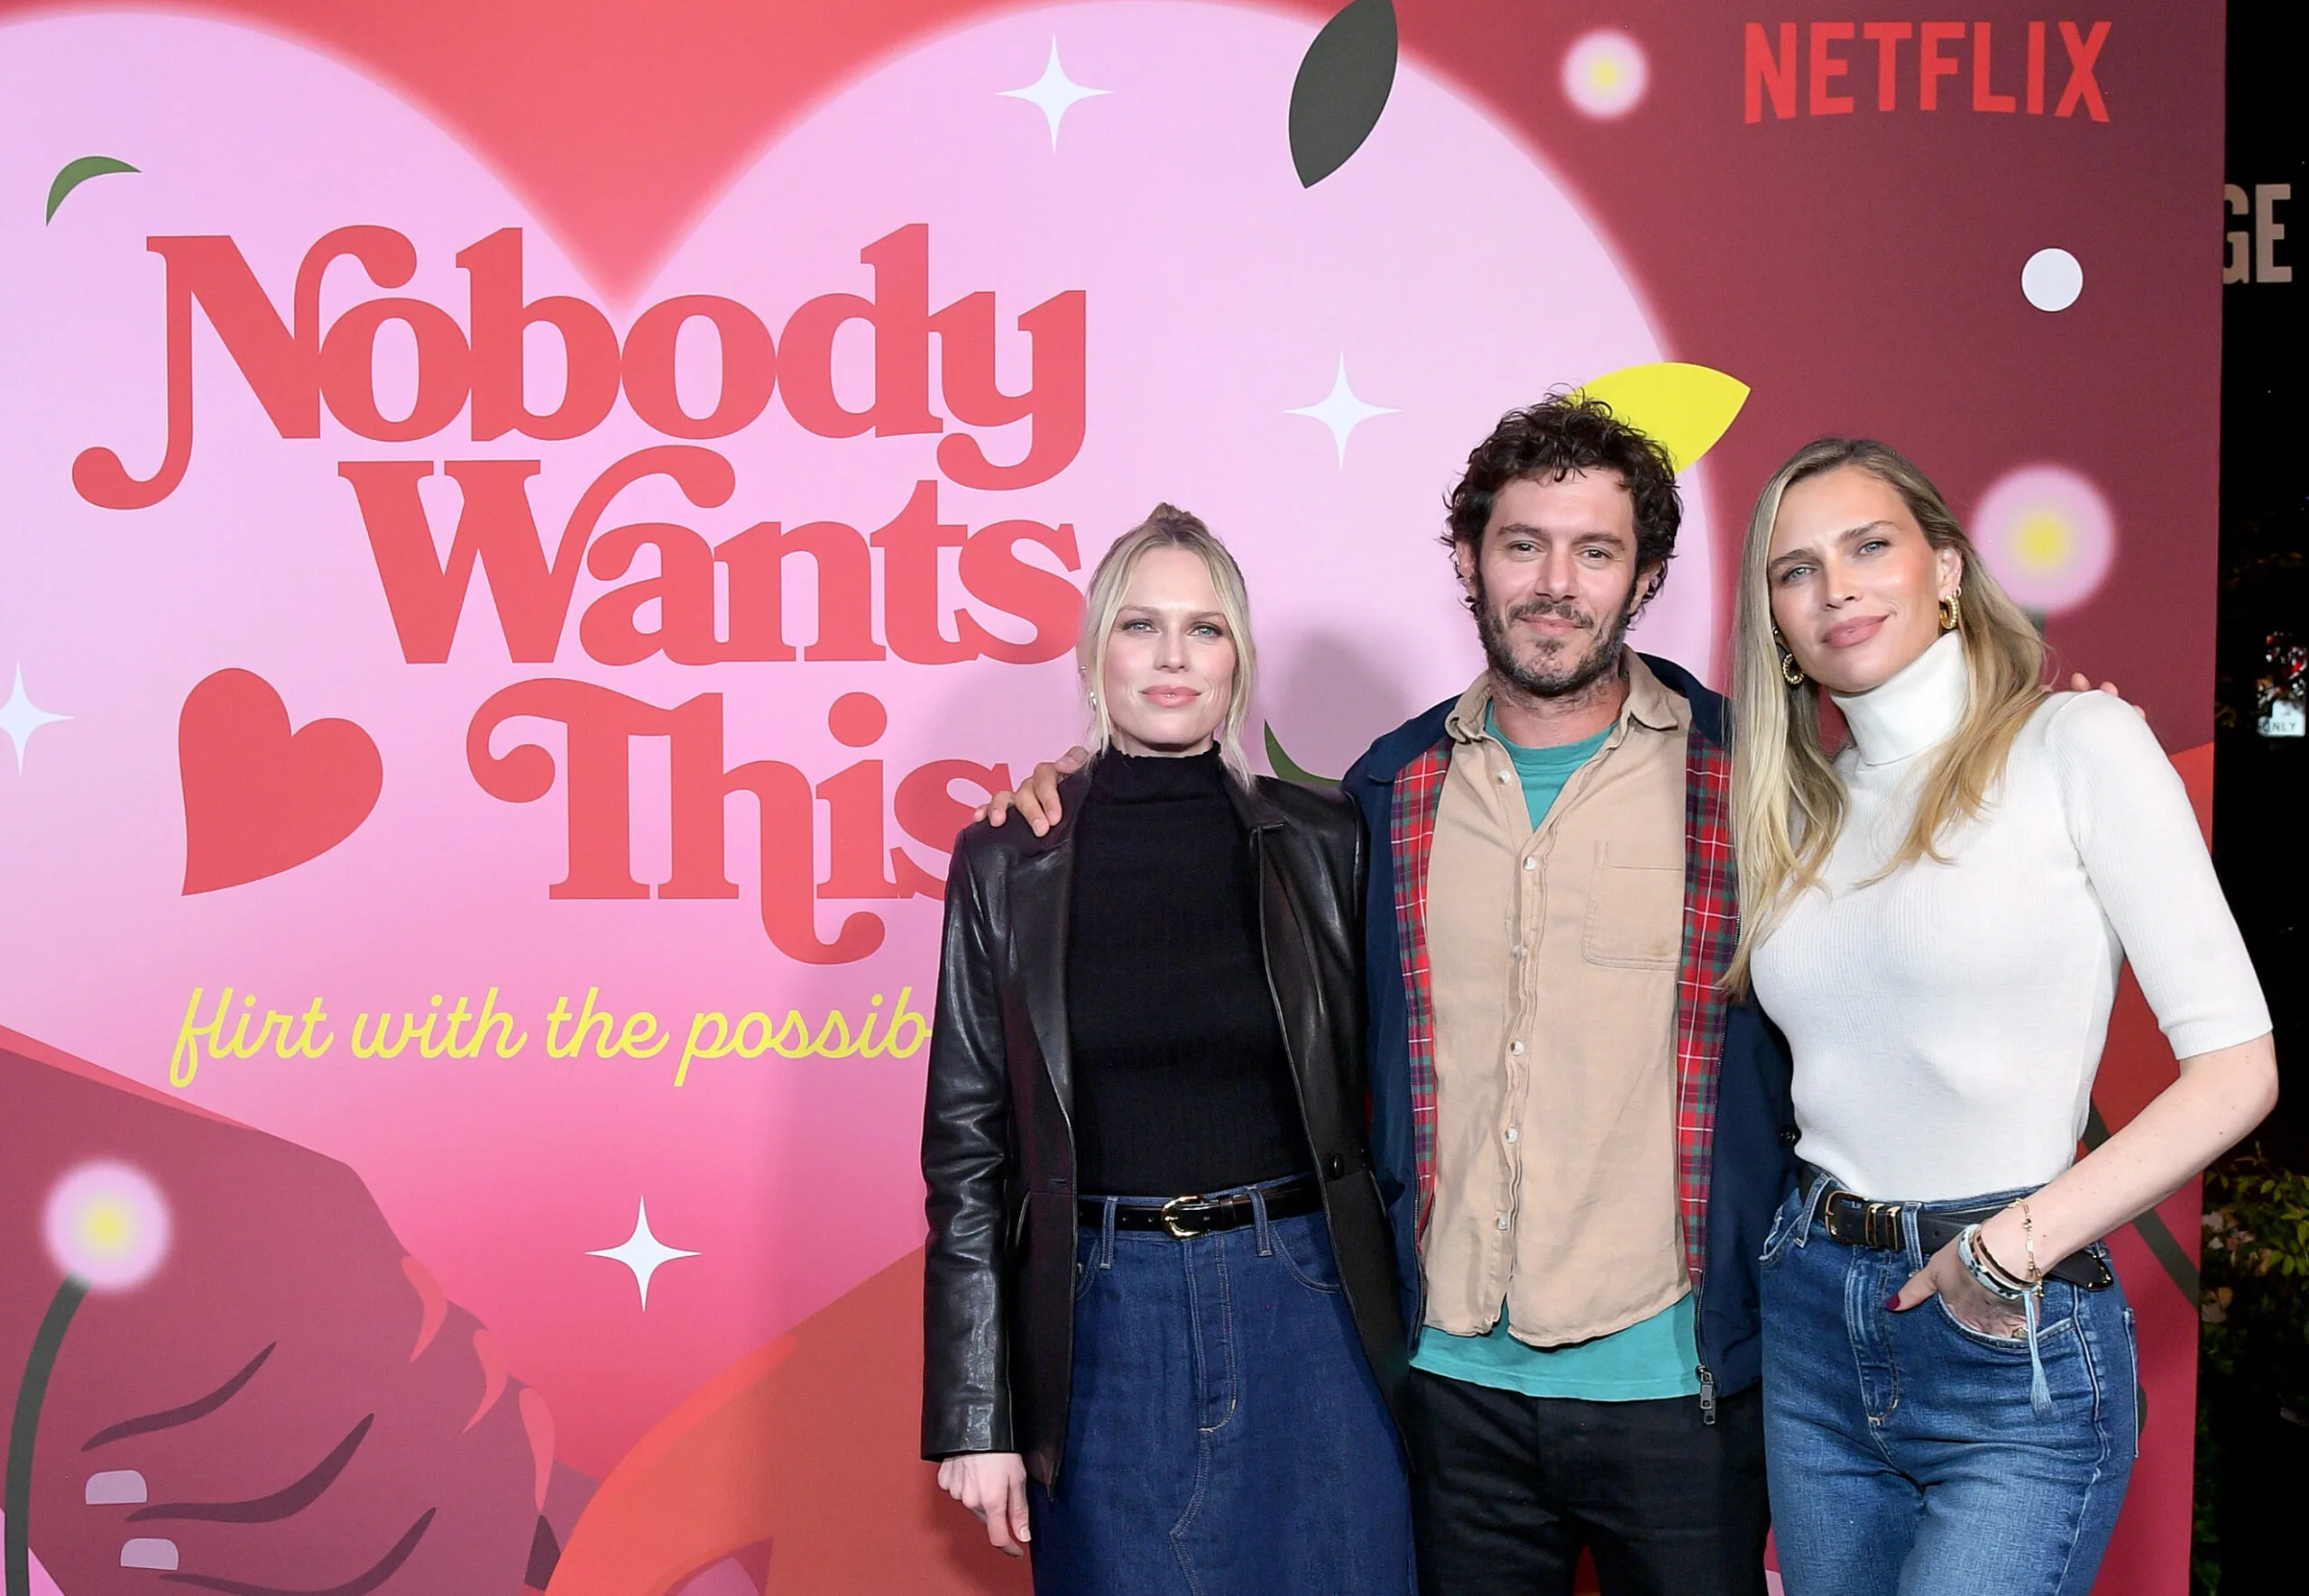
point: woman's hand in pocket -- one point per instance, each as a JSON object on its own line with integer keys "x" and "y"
{"x": 1968, "y": 1300}
{"x": 993, "y": 1485}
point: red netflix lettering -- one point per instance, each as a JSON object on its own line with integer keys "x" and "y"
{"x": 1887, "y": 37}
{"x": 1983, "y": 97}
{"x": 2082, "y": 84}
{"x": 1825, "y": 67}
{"x": 1764, "y": 71}
{"x": 1768, "y": 69}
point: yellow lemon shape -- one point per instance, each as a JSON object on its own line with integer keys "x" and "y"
{"x": 1684, "y": 407}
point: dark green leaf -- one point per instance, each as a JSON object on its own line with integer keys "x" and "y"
{"x": 1342, "y": 87}
{"x": 1283, "y": 766}
{"x": 76, "y": 173}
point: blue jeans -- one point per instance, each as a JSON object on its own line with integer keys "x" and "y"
{"x": 1225, "y": 1437}
{"x": 1904, "y": 1453}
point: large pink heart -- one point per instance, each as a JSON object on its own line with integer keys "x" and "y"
{"x": 1222, "y": 298}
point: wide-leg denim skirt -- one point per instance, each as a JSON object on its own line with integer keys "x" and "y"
{"x": 1226, "y": 1436}
{"x": 1904, "y": 1451}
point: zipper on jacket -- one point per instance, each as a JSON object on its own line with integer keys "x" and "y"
{"x": 1699, "y": 1318}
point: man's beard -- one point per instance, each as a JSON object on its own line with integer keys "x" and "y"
{"x": 1554, "y": 675}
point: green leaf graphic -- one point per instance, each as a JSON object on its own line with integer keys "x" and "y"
{"x": 1284, "y": 766}
{"x": 1342, "y": 87}
{"x": 76, "y": 173}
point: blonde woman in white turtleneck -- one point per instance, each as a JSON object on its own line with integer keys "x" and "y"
{"x": 1936, "y": 918}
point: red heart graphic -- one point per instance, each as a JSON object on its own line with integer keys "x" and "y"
{"x": 258, "y": 798}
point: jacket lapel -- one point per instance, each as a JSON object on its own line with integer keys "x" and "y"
{"x": 1041, "y": 890}
{"x": 1282, "y": 940}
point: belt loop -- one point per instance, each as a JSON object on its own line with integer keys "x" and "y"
{"x": 1912, "y": 1236}
{"x": 1815, "y": 1190}
{"x": 1265, "y": 1231}
{"x": 1107, "y": 1234}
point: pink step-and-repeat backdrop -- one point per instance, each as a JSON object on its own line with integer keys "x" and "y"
{"x": 528, "y": 526}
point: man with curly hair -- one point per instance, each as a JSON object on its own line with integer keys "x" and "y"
{"x": 1580, "y": 1138}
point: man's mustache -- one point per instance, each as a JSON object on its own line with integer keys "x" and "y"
{"x": 1561, "y": 609}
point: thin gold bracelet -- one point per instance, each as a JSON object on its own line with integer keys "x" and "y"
{"x": 2029, "y": 1237}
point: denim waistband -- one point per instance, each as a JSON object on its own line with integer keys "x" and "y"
{"x": 1816, "y": 1180}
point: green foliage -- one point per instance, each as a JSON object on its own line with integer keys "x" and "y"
{"x": 2253, "y": 1357}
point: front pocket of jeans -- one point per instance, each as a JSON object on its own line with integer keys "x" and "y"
{"x": 2016, "y": 1343}
{"x": 1315, "y": 1274}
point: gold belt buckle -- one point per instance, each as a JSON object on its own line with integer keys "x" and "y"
{"x": 1171, "y": 1220}
{"x": 1888, "y": 1237}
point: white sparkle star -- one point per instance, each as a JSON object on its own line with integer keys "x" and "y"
{"x": 20, "y": 717}
{"x": 1341, "y": 411}
{"x": 642, "y": 1253}
{"x": 1053, "y": 92}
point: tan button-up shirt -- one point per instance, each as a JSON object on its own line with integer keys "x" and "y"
{"x": 1553, "y": 956}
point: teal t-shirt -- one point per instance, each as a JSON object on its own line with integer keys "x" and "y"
{"x": 1653, "y": 1357}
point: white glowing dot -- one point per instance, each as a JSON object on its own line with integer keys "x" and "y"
{"x": 1605, "y": 74}
{"x": 2052, "y": 279}
{"x": 108, "y": 1224}
{"x": 2048, "y": 533}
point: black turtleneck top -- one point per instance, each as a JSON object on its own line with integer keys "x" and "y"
{"x": 1181, "y": 1081}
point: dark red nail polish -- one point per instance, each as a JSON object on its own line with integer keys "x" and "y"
{"x": 1893, "y": 1300}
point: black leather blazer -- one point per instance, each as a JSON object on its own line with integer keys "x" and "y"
{"x": 998, "y": 1144}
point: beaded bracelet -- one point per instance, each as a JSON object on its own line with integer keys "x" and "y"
{"x": 1969, "y": 1250}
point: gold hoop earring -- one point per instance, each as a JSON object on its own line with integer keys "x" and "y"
{"x": 1790, "y": 671}
{"x": 1952, "y": 612}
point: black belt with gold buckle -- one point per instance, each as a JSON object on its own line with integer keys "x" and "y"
{"x": 1857, "y": 1222}
{"x": 1189, "y": 1216}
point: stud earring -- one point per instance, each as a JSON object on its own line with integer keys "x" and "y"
{"x": 1094, "y": 699}
{"x": 1952, "y": 612}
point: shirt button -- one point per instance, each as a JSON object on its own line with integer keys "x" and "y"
{"x": 1505, "y": 778}
{"x": 1517, "y": 950}
{"x": 1513, "y": 1134}
{"x": 1514, "y": 1047}
{"x": 1531, "y": 864}
{"x": 1502, "y": 1222}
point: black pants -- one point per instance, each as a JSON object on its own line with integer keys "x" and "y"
{"x": 1507, "y": 1488}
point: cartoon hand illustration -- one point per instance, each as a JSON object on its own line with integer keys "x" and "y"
{"x": 285, "y": 1405}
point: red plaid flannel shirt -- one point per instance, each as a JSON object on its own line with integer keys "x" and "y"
{"x": 1711, "y": 928}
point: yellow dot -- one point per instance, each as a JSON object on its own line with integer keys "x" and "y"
{"x": 108, "y": 1225}
{"x": 2042, "y": 540}
{"x": 1605, "y": 74}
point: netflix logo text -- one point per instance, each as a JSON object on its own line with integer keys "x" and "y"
{"x": 1828, "y": 69}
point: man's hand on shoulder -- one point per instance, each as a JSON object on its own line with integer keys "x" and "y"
{"x": 1037, "y": 799}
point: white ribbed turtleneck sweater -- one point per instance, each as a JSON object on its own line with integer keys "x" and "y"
{"x": 1946, "y": 1021}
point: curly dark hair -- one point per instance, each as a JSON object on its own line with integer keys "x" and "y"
{"x": 1549, "y": 441}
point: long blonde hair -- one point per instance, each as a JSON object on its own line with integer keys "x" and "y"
{"x": 1168, "y": 527}
{"x": 1788, "y": 805}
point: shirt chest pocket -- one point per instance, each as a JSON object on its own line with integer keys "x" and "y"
{"x": 1635, "y": 909}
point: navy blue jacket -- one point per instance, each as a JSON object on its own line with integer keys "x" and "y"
{"x": 1753, "y": 1161}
